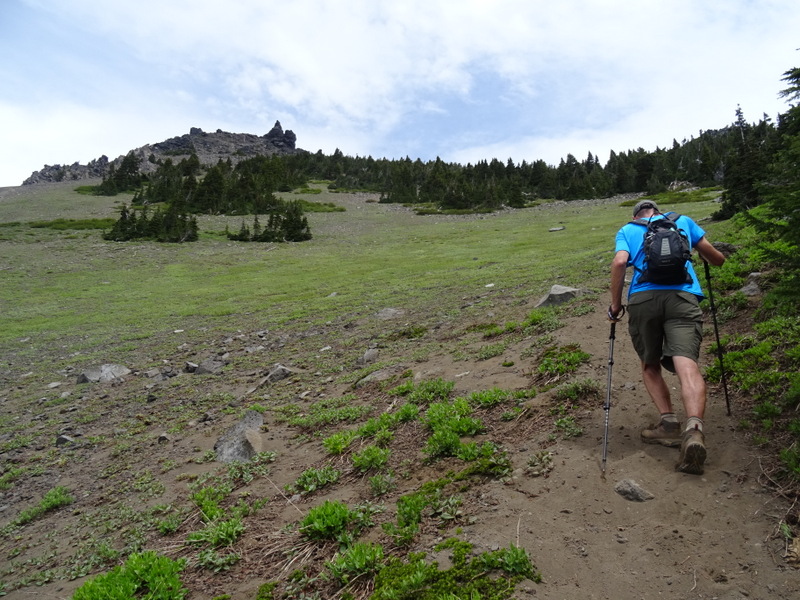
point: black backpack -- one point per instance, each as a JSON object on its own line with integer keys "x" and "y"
{"x": 666, "y": 251}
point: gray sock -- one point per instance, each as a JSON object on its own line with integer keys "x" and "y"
{"x": 694, "y": 423}
{"x": 669, "y": 418}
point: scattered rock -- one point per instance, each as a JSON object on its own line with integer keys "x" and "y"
{"x": 752, "y": 287}
{"x": 210, "y": 366}
{"x": 562, "y": 228}
{"x": 725, "y": 248}
{"x": 558, "y": 295}
{"x": 64, "y": 440}
{"x": 390, "y": 313}
{"x": 280, "y": 372}
{"x": 370, "y": 356}
{"x": 104, "y": 374}
{"x": 242, "y": 441}
{"x": 375, "y": 377}
{"x": 630, "y": 490}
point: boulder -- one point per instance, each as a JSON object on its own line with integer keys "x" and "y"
{"x": 370, "y": 356}
{"x": 558, "y": 295}
{"x": 210, "y": 366}
{"x": 103, "y": 374}
{"x": 752, "y": 287}
{"x": 279, "y": 372}
{"x": 630, "y": 490}
{"x": 241, "y": 442}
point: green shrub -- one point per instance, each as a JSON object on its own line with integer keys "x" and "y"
{"x": 443, "y": 442}
{"x": 208, "y": 499}
{"x": 542, "y": 320}
{"x": 427, "y": 391}
{"x": 371, "y": 458}
{"x": 214, "y": 561}
{"x": 338, "y": 442}
{"x": 329, "y": 521}
{"x": 145, "y": 575}
{"x": 313, "y": 479}
{"x": 491, "y": 350}
{"x": 579, "y": 390}
{"x": 361, "y": 558}
{"x": 52, "y": 500}
{"x": 452, "y": 415}
{"x": 382, "y": 483}
{"x": 489, "y": 398}
{"x": 561, "y": 360}
{"x": 467, "y": 578}
{"x": 219, "y": 533}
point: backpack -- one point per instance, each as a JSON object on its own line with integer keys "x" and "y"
{"x": 666, "y": 251}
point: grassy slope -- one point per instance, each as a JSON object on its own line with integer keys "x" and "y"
{"x": 71, "y": 300}
{"x": 58, "y": 285}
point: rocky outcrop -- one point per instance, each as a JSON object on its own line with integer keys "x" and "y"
{"x": 74, "y": 172}
{"x": 209, "y": 148}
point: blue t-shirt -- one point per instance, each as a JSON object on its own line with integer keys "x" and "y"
{"x": 630, "y": 238}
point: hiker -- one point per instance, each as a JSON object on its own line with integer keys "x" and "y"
{"x": 665, "y": 324}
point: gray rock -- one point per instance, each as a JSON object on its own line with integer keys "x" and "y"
{"x": 370, "y": 356}
{"x": 210, "y": 148}
{"x": 280, "y": 372}
{"x": 242, "y": 441}
{"x": 103, "y": 374}
{"x": 210, "y": 366}
{"x": 375, "y": 377}
{"x": 630, "y": 490}
{"x": 752, "y": 287}
{"x": 558, "y": 295}
{"x": 64, "y": 440}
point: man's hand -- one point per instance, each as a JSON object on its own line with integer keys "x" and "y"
{"x": 616, "y": 312}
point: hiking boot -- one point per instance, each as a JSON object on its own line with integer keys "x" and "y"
{"x": 693, "y": 452}
{"x": 664, "y": 433}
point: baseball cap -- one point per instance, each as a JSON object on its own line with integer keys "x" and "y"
{"x": 644, "y": 204}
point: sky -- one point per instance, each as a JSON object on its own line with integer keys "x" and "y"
{"x": 464, "y": 80}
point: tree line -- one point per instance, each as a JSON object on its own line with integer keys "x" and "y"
{"x": 735, "y": 157}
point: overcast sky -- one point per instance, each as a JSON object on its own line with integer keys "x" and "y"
{"x": 464, "y": 80}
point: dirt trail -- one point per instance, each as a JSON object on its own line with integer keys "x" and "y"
{"x": 712, "y": 536}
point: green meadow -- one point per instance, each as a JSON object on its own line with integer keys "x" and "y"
{"x": 61, "y": 284}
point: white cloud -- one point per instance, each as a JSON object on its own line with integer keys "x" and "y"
{"x": 477, "y": 78}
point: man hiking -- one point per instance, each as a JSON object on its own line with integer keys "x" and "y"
{"x": 665, "y": 321}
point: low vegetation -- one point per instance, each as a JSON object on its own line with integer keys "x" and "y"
{"x": 394, "y": 462}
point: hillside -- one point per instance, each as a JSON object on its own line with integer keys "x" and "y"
{"x": 382, "y": 293}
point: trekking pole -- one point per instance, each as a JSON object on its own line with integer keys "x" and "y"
{"x": 716, "y": 334}
{"x": 607, "y": 405}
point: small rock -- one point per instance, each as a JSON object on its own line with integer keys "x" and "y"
{"x": 64, "y": 440}
{"x": 104, "y": 374}
{"x": 630, "y": 490}
{"x": 370, "y": 356}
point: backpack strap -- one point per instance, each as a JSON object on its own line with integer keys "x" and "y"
{"x": 672, "y": 216}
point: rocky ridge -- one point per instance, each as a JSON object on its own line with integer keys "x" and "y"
{"x": 209, "y": 147}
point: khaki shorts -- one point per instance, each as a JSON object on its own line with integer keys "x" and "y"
{"x": 665, "y": 323}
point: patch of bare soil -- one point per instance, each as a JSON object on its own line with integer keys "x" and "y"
{"x": 709, "y": 536}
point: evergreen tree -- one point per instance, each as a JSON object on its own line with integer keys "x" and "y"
{"x": 780, "y": 188}
{"x": 743, "y": 168}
